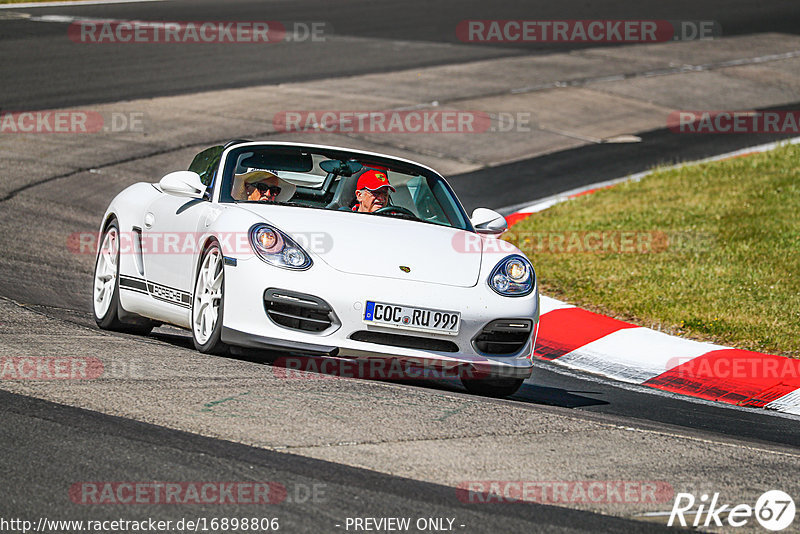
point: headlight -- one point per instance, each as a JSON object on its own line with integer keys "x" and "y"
{"x": 277, "y": 248}
{"x": 513, "y": 277}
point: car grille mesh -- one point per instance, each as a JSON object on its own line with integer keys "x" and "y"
{"x": 503, "y": 336}
{"x": 408, "y": 342}
{"x": 298, "y": 311}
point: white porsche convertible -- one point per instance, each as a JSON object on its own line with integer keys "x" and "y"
{"x": 302, "y": 271}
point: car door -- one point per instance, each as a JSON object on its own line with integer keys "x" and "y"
{"x": 172, "y": 235}
{"x": 171, "y": 239}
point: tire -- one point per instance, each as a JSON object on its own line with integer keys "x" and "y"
{"x": 493, "y": 387}
{"x": 105, "y": 293}
{"x": 208, "y": 302}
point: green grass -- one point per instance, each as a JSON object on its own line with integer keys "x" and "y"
{"x": 722, "y": 263}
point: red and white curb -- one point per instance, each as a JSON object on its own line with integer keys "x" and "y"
{"x": 582, "y": 340}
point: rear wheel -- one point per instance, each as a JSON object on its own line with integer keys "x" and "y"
{"x": 493, "y": 387}
{"x": 105, "y": 294}
{"x": 208, "y": 303}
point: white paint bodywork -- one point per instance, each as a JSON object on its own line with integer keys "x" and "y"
{"x": 361, "y": 263}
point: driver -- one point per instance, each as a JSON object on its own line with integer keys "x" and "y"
{"x": 261, "y": 186}
{"x": 372, "y": 191}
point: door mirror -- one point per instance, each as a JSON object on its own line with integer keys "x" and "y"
{"x": 183, "y": 184}
{"x": 488, "y": 221}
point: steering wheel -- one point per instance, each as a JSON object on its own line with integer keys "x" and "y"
{"x": 397, "y": 210}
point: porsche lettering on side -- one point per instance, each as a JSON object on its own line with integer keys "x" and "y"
{"x": 320, "y": 251}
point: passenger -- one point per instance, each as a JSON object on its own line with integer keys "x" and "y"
{"x": 372, "y": 191}
{"x": 261, "y": 186}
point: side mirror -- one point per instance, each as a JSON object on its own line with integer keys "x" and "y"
{"x": 488, "y": 221}
{"x": 183, "y": 184}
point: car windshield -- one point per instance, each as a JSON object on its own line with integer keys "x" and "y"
{"x": 321, "y": 178}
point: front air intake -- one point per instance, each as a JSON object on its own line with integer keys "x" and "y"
{"x": 298, "y": 311}
{"x": 503, "y": 336}
{"x": 408, "y": 342}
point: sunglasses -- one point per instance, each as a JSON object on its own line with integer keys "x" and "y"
{"x": 265, "y": 188}
{"x": 383, "y": 192}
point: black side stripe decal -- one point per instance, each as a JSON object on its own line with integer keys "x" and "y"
{"x": 133, "y": 284}
{"x": 158, "y": 292}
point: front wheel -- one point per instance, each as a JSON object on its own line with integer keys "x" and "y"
{"x": 208, "y": 303}
{"x": 493, "y": 387}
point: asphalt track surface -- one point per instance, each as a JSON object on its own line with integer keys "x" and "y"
{"x": 42, "y": 71}
{"x": 566, "y": 170}
{"x": 121, "y": 449}
{"x": 48, "y": 446}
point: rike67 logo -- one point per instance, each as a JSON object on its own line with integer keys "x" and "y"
{"x": 774, "y": 510}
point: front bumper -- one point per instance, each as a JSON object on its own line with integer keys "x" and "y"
{"x": 246, "y": 322}
{"x": 243, "y": 339}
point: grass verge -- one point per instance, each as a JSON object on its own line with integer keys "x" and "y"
{"x": 709, "y": 251}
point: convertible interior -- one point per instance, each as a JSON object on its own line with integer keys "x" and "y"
{"x": 327, "y": 180}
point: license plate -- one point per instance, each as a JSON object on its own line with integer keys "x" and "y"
{"x": 412, "y": 318}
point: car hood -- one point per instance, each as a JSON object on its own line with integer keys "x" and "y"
{"x": 381, "y": 246}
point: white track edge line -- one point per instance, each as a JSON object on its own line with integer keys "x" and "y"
{"x": 774, "y": 406}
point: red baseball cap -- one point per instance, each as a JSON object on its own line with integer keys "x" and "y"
{"x": 373, "y": 180}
